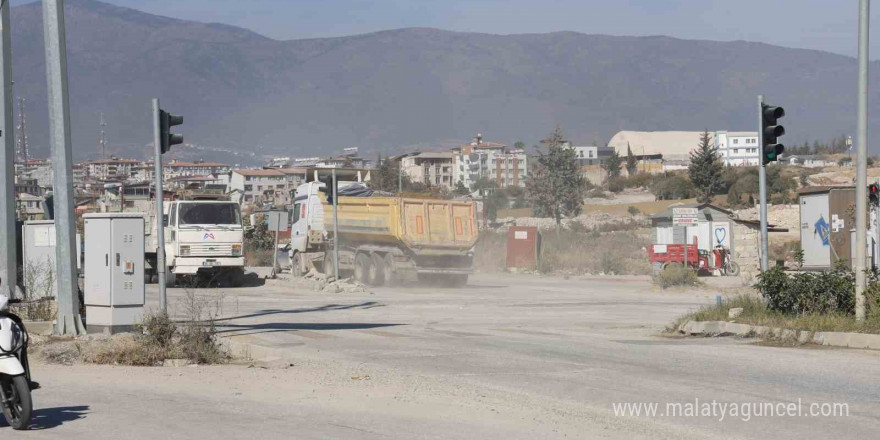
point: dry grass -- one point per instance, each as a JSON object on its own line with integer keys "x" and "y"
{"x": 157, "y": 339}
{"x": 574, "y": 252}
{"x": 756, "y": 313}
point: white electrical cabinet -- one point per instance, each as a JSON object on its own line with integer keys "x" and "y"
{"x": 114, "y": 271}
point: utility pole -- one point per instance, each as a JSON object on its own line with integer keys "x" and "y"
{"x": 862, "y": 161}
{"x": 762, "y": 188}
{"x": 8, "y": 259}
{"x": 335, "y": 228}
{"x": 161, "y": 267}
{"x": 400, "y": 175}
{"x": 68, "y": 321}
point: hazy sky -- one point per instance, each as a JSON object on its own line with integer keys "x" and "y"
{"x": 815, "y": 24}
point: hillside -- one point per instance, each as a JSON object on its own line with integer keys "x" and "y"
{"x": 399, "y": 88}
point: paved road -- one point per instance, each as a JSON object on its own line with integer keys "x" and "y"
{"x": 510, "y": 356}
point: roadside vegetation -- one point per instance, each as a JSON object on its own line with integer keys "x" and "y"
{"x": 156, "y": 339}
{"x": 822, "y": 301}
{"x": 676, "y": 275}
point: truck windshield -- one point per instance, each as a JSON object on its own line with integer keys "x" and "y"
{"x": 209, "y": 214}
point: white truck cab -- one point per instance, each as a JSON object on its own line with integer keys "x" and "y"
{"x": 203, "y": 236}
{"x": 307, "y": 214}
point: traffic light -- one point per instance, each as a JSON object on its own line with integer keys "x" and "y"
{"x": 167, "y": 139}
{"x": 874, "y": 194}
{"x": 770, "y": 130}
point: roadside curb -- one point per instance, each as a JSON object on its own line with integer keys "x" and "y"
{"x": 831, "y": 339}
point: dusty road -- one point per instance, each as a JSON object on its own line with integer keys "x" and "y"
{"x": 510, "y": 356}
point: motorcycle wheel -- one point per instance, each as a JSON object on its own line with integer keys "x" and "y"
{"x": 16, "y": 401}
{"x": 732, "y": 268}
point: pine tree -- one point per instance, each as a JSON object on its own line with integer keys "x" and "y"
{"x": 612, "y": 166}
{"x": 706, "y": 169}
{"x": 556, "y": 186}
{"x": 632, "y": 165}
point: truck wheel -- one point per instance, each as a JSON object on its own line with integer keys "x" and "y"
{"x": 388, "y": 265}
{"x": 362, "y": 266}
{"x": 377, "y": 270}
{"x": 296, "y": 265}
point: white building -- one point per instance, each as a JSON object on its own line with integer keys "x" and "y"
{"x": 258, "y": 185}
{"x": 499, "y": 163}
{"x": 430, "y": 168}
{"x": 738, "y": 148}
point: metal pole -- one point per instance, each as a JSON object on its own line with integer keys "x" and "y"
{"x": 862, "y": 161}
{"x": 161, "y": 267}
{"x": 68, "y": 321}
{"x": 685, "y": 246}
{"x": 335, "y": 229}
{"x": 762, "y": 187}
{"x": 275, "y": 253}
{"x": 400, "y": 175}
{"x": 8, "y": 259}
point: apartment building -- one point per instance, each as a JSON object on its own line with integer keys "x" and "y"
{"x": 738, "y": 148}
{"x": 112, "y": 169}
{"x": 255, "y": 186}
{"x": 495, "y": 162}
{"x": 433, "y": 169}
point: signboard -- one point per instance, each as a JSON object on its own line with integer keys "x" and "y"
{"x": 277, "y": 220}
{"x": 685, "y": 216}
{"x": 520, "y": 235}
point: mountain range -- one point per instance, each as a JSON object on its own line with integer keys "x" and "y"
{"x": 416, "y": 88}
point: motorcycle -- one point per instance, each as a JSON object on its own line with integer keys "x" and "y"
{"x": 15, "y": 375}
{"x": 725, "y": 262}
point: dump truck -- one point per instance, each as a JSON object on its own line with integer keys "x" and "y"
{"x": 382, "y": 239}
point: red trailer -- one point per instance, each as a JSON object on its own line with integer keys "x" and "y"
{"x": 662, "y": 255}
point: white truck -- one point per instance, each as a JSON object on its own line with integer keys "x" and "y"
{"x": 202, "y": 238}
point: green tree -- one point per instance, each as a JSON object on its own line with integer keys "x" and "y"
{"x": 705, "y": 169}
{"x": 460, "y": 189}
{"x": 519, "y": 144}
{"x": 612, "y": 166}
{"x": 385, "y": 176}
{"x": 556, "y": 186}
{"x": 632, "y": 165}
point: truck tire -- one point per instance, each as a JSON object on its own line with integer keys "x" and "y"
{"x": 390, "y": 275}
{"x": 377, "y": 270}
{"x": 362, "y": 268}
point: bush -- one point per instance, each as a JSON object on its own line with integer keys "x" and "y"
{"x": 808, "y": 293}
{"x": 677, "y": 275}
{"x": 672, "y": 187}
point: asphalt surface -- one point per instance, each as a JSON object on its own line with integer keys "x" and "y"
{"x": 509, "y": 356}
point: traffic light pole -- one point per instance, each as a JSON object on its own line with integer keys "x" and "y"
{"x": 8, "y": 263}
{"x": 160, "y": 214}
{"x": 862, "y": 162}
{"x": 68, "y": 321}
{"x": 762, "y": 188}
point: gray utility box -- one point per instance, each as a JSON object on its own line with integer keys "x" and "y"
{"x": 38, "y": 258}
{"x": 114, "y": 271}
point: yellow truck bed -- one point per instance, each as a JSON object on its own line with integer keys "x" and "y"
{"x": 420, "y": 224}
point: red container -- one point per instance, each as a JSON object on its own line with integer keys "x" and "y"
{"x": 523, "y": 247}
